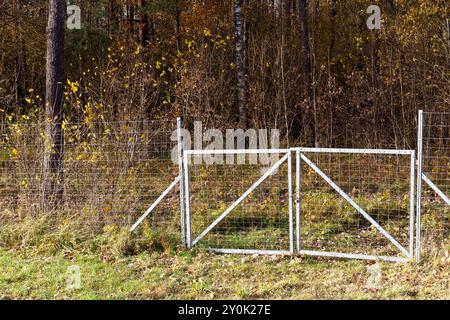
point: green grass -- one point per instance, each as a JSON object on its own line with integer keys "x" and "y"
{"x": 199, "y": 275}
{"x": 35, "y": 256}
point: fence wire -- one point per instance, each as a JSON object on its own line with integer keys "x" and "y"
{"x": 379, "y": 184}
{"x": 435, "y": 213}
{"x": 260, "y": 222}
{"x": 112, "y": 172}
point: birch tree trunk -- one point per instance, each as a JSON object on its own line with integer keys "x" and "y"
{"x": 240, "y": 64}
{"x": 309, "y": 117}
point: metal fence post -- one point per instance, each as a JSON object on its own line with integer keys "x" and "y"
{"x": 412, "y": 204}
{"x": 291, "y": 216}
{"x": 419, "y": 183}
{"x": 187, "y": 203}
{"x": 298, "y": 197}
{"x": 181, "y": 173}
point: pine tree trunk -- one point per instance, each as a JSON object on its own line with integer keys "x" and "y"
{"x": 53, "y": 161}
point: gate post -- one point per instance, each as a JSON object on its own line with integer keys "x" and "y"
{"x": 181, "y": 173}
{"x": 412, "y": 204}
{"x": 298, "y": 197}
{"x": 187, "y": 200}
{"x": 291, "y": 216}
{"x": 419, "y": 182}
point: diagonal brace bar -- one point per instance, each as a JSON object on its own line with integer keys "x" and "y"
{"x": 436, "y": 189}
{"x": 242, "y": 198}
{"x": 153, "y": 206}
{"x": 355, "y": 205}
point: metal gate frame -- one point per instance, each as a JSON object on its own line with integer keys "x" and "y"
{"x": 421, "y": 176}
{"x": 182, "y": 180}
{"x": 286, "y": 157}
{"x": 301, "y": 157}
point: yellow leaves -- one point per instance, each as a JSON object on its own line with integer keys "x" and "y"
{"x": 73, "y": 86}
{"x": 207, "y": 32}
{"x": 233, "y": 65}
{"x": 188, "y": 43}
{"x": 158, "y": 65}
{"x": 167, "y": 98}
{"x": 91, "y": 113}
{"x": 221, "y": 42}
{"x": 359, "y": 42}
{"x": 24, "y": 184}
{"x": 138, "y": 50}
{"x": 14, "y": 152}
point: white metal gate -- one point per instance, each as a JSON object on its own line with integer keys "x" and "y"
{"x": 350, "y": 203}
{"x": 244, "y": 208}
{"x": 355, "y": 203}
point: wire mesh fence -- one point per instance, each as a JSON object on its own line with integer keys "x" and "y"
{"x": 350, "y": 203}
{"x": 112, "y": 171}
{"x": 434, "y": 171}
{"x": 356, "y": 202}
{"x": 240, "y": 206}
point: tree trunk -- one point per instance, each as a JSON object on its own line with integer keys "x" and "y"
{"x": 332, "y": 40}
{"x": 309, "y": 122}
{"x": 53, "y": 161}
{"x": 144, "y": 28}
{"x": 20, "y": 56}
{"x": 178, "y": 27}
{"x": 240, "y": 64}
